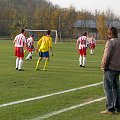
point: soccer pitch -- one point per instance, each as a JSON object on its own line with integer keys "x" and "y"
{"x": 64, "y": 92}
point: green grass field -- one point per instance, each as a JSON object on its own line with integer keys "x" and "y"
{"x": 63, "y": 74}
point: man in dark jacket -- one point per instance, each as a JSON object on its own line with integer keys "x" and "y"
{"x": 111, "y": 66}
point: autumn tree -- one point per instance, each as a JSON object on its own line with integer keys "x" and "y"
{"x": 41, "y": 14}
{"x": 101, "y": 26}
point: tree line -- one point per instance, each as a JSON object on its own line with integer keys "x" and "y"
{"x": 41, "y": 14}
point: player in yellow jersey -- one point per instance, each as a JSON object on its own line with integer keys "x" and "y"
{"x": 43, "y": 46}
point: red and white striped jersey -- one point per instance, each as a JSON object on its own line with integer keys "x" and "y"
{"x": 92, "y": 41}
{"x": 30, "y": 41}
{"x": 19, "y": 40}
{"x": 82, "y": 42}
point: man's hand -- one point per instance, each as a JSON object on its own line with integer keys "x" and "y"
{"x": 36, "y": 49}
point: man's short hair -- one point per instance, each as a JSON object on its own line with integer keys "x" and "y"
{"x": 114, "y": 32}
{"x": 85, "y": 34}
{"x": 32, "y": 35}
{"x": 22, "y": 30}
{"x": 48, "y": 32}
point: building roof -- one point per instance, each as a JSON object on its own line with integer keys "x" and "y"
{"x": 113, "y": 24}
{"x": 85, "y": 23}
{"x": 92, "y": 24}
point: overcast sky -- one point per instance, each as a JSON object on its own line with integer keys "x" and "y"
{"x": 90, "y": 5}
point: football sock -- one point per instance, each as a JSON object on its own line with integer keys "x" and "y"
{"x": 84, "y": 60}
{"x": 91, "y": 51}
{"x": 38, "y": 62}
{"x": 20, "y": 64}
{"x": 46, "y": 64}
{"x": 17, "y": 62}
{"x": 28, "y": 57}
{"x": 80, "y": 60}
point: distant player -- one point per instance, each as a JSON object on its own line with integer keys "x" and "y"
{"x": 81, "y": 46}
{"x": 30, "y": 46}
{"x": 19, "y": 42}
{"x": 92, "y": 43}
{"x": 44, "y": 44}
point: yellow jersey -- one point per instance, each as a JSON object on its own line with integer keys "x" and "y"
{"x": 45, "y": 43}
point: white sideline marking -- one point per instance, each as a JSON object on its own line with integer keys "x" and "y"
{"x": 49, "y": 95}
{"x": 67, "y": 109}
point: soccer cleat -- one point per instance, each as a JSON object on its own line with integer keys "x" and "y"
{"x": 117, "y": 111}
{"x": 83, "y": 66}
{"x": 16, "y": 68}
{"x": 80, "y": 65}
{"x": 30, "y": 57}
{"x": 107, "y": 112}
{"x": 20, "y": 70}
{"x": 37, "y": 69}
{"x": 44, "y": 69}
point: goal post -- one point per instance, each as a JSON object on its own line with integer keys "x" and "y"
{"x": 53, "y": 31}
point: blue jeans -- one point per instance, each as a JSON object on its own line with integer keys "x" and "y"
{"x": 112, "y": 90}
